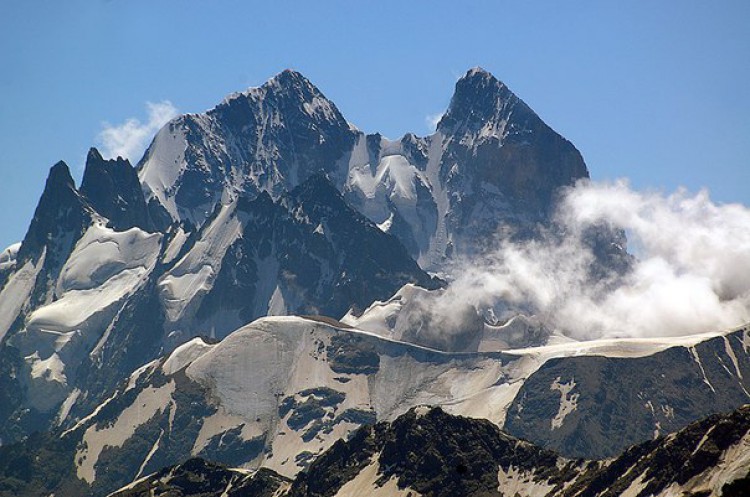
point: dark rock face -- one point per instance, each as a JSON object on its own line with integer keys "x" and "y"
{"x": 59, "y": 220}
{"x": 503, "y": 166}
{"x": 433, "y": 453}
{"x": 326, "y": 258}
{"x": 41, "y": 463}
{"x": 676, "y": 459}
{"x": 114, "y": 191}
{"x": 199, "y": 478}
{"x": 501, "y": 141}
{"x": 362, "y": 248}
{"x": 441, "y": 455}
{"x": 622, "y": 401}
{"x": 351, "y": 355}
{"x": 312, "y": 410}
{"x": 110, "y": 189}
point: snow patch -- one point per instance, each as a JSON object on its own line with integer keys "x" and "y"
{"x": 182, "y": 289}
{"x": 104, "y": 268}
{"x": 697, "y": 359}
{"x": 385, "y": 226}
{"x": 438, "y": 243}
{"x": 568, "y": 401}
{"x": 66, "y": 406}
{"x": 519, "y": 483}
{"x": 16, "y": 291}
{"x": 184, "y": 355}
{"x": 150, "y": 454}
{"x": 164, "y": 164}
{"x": 365, "y": 483}
{"x": 636, "y": 487}
{"x": 277, "y": 305}
{"x": 8, "y": 256}
{"x": 147, "y": 404}
{"x": 49, "y": 369}
{"x": 175, "y": 246}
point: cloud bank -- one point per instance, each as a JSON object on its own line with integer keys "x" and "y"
{"x": 130, "y": 139}
{"x": 690, "y": 273}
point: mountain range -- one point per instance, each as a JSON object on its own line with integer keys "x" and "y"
{"x": 260, "y": 286}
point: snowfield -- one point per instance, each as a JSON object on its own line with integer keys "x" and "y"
{"x": 296, "y": 385}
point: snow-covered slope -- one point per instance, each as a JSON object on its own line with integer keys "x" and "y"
{"x": 86, "y": 305}
{"x": 276, "y": 393}
{"x": 280, "y": 391}
{"x": 104, "y": 269}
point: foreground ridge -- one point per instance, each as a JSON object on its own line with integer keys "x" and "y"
{"x": 281, "y": 391}
{"x": 428, "y": 452}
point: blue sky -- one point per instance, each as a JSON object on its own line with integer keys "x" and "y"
{"x": 652, "y": 91}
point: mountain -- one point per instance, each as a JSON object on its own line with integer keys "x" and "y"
{"x": 595, "y": 405}
{"x": 270, "y": 203}
{"x": 95, "y": 298}
{"x": 429, "y": 452}
{"x": 492, "y": 163}
{"x": 306, "y": 253}
{"x": 270, "y": 139}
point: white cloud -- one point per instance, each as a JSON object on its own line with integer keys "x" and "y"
{"x": 131, "y": 138}
{"x": 691, "y": 274}
{"x": 432, "y": 120}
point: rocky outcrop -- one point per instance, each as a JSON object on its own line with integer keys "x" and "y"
{"x": 113, "y": 190}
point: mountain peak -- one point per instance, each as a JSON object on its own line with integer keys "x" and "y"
{"x": 477, "y": 71}
{"x": 317, "y": 186}
{"x": 93, "y": 156}
{"x": 113, "y": 190}
{"x": 95, "y": 161}
{"x": 479, "y": 77}
{"x": 59, "y": 176}
{"x": 288, "y": 83}
{"x": 479, "y": 97}
{"x": 60, "y": 211}
{"x": 290, "y": 77}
